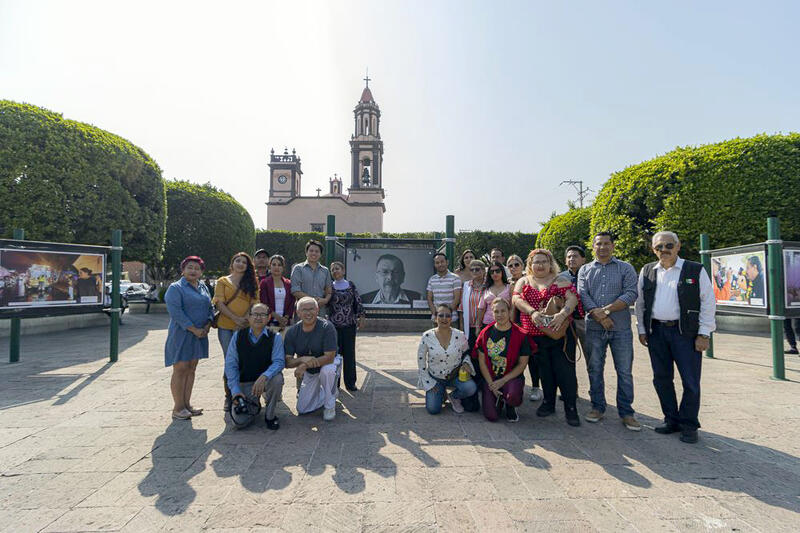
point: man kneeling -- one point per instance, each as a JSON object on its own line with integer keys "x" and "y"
{"x": 310, "y": 347}
{"x": 254, "y": 367}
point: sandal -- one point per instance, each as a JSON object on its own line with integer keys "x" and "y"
{"x": 181, "y": 415}
{"x": 195, "y": 412}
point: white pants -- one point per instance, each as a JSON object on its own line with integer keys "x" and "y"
{"x": 318, "y": 390}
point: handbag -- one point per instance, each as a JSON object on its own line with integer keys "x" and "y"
{"x": 215, "y": 319}
{"x": 554, "y": 305}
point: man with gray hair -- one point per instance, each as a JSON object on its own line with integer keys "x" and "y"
{"x": 675, "y": 315}
{"x": 390, "y": 275}
{"x": 254, "y": 369}
{"x": 310, "y": 346}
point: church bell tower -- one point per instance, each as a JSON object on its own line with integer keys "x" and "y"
{"x": 366, "y": 150}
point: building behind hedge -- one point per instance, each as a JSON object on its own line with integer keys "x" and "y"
{"x": 360, "y": 210}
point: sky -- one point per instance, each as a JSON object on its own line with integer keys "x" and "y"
{"x": 486, "y": 107}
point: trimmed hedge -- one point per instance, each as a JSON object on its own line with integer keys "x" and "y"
{"x": 564, "y": 230}
{"x": 292, "y": 244}
{"x": 726, "y": 189}
{"x": 189, "y": 231}
{"x": 65, "y": 181}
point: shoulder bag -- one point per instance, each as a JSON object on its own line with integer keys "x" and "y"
{"x": 215, "y": 320}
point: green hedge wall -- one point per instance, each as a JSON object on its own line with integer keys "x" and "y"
{"x": 726, "y": 189}
{"x": 204, "y": 221}
{"x": 65, "y": 181}
{"x": 564, "y": 230}
{"x": 292, "y": 244}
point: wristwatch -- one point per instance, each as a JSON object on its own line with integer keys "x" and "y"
{"x": 606, "y": 312}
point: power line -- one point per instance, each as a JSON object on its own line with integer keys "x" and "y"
{"x": 578, "y": 185}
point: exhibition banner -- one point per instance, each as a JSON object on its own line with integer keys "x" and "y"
{"x": 791, "y": 272}
{"x": 390, "y": 276}
{"x": 38, "y": 277}
{"x": 739, "y": 277}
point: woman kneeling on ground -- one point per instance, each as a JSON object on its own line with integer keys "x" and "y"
{"x": 503, "y": 351}
{"x": 444, "y": 362}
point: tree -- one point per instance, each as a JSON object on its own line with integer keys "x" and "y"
{"x": 206, "y": 222}
{"x": 564, "y": 230}
{"x": 65, "y": 181}
{"x": 726, "y": 189}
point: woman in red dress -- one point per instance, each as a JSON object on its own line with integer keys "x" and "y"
{"x": 531, "y": 295}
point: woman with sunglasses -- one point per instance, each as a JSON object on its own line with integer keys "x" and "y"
{"x": 462, "y": 269}
{"x": 444, "y": 364}
{"x": 496, "y": 286}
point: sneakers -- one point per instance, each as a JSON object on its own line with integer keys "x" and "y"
{"x": 329, "y": 414}
{"x": 792, "y": 351}
{"x": 631, "y": 423}
{"x": 572, "y": 416}
{"x": 593, "y": 416}
{"x": 455, "y": 403}
{"x": 536, "y": 394}
{"x": 511, "y": 414}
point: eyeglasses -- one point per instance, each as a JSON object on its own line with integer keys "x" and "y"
{"x": 444, "y": 315}
{"x": 476, "y": 269}
{"x": 668, "y": 246}
{"x": 495, "y": 271}
{"x": 514, "y": 265}
{"x": 259, "y": 315}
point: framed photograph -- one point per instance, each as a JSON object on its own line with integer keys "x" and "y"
{"x": 390, "y": 275}
{"x": 40, "y": 279}
{"x": 739, "y": 279}
{"x": 791, "y": 277}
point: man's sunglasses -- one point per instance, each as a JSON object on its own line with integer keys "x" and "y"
{"x": 668, "y": 246}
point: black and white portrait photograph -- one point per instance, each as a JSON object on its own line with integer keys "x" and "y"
{"x": 390, "y": 277}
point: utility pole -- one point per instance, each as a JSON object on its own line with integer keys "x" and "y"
{"x": 578, "y": 184}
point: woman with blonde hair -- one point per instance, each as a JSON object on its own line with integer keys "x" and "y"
{"x": 533, "y": 293}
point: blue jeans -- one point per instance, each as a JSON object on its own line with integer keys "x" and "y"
{"x": 621, "y": 343}
{"x": 225, "y": 336}
{"x": 435, "y": 397}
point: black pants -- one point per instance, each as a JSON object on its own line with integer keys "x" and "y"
{"x": 346, "y": 338}
{"x": 789, "y": 332}
{"x": 557, "y": 368}
{"x": 668, "y": 349}
{"x": 473, "y": 403}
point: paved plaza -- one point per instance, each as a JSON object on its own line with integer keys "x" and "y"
{"x": 90, "y": 446}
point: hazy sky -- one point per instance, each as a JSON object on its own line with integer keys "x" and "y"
{"x": 486, "y": 106}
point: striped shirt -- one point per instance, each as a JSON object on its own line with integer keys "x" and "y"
{"x": 444, "y": 289}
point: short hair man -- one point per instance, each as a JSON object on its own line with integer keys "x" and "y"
{"x": 261, "y": 263}
{"x": 675, "y": 317}
{"x": 607, "y": 287}
{"x": 496, "y": 254}
{"x": 310, "y": 346}
{"x": 755, "y": 275}
{"x": 254, "y": 368}
{"x": 575, "y": 258}
{"x": 444, "y": 287}
{"x": 310, "y": 278}
{"x": 390, "y": 275}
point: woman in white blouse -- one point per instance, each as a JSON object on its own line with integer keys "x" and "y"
{"x": 442, "y": 355}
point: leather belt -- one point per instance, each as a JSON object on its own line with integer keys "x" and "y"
{"x": 666, "y": 323}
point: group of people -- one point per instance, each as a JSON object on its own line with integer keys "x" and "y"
{"x": 513, "y": 318}
{"x": 265, "y": 323}
{"x": 491, "y": 323}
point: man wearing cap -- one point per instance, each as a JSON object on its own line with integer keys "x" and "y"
{"x": 675, "y": 315}
{"x": 310, "y": 346}
{"x": 254, "y": 369}
{"x": 261, "y": 262}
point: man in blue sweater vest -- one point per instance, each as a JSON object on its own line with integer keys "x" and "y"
{"x": 254, "y": 367}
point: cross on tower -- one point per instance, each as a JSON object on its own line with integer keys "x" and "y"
{"x": 367, "y": 79}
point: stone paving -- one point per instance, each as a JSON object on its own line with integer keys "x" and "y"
{"x": 86, "y": 445}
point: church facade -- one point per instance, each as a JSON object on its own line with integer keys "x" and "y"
{"x": 360, "y": 210}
